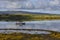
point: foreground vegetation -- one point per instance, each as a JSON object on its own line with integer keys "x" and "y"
{"x": 29, "y": 17}
{"x": 22, "y": 36}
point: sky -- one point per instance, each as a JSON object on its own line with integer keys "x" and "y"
{"x": 51, "y": 6}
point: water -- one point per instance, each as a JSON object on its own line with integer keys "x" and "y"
{"x": 53, "y": 25}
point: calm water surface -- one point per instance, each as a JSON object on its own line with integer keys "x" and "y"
{"x": 53, "y": 25}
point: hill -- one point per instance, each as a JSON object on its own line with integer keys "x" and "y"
{"x": 24, "y": 12}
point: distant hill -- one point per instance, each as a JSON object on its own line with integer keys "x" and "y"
{"x": 23, "y": 12}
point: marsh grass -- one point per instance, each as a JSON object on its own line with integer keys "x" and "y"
{"x": 23, "y": 36}
{"x": 29, "y": 17}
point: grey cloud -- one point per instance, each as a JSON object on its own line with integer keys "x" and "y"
{"x": 30, "y": 4}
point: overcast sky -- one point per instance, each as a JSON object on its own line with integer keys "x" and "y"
{"x": 49, "y": 5}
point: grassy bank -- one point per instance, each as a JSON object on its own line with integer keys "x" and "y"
{"x": 22, "y": 36}
{"x": 46, "y": 17}
{"x": 29, "y": 17}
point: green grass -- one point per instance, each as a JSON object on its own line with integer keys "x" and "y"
{"x": 29, "y": 17}
{"x": 38, "y": 17}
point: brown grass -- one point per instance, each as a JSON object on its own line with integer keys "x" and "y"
{"x": 22, "y": 36}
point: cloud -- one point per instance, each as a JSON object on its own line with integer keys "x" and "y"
{"x": 10, "y": 4}
{"x": 13, "y": 5}
{"x": 54, "y": 2}
{"x": 22, "y": 4}
{"x": 30, "y": 4}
